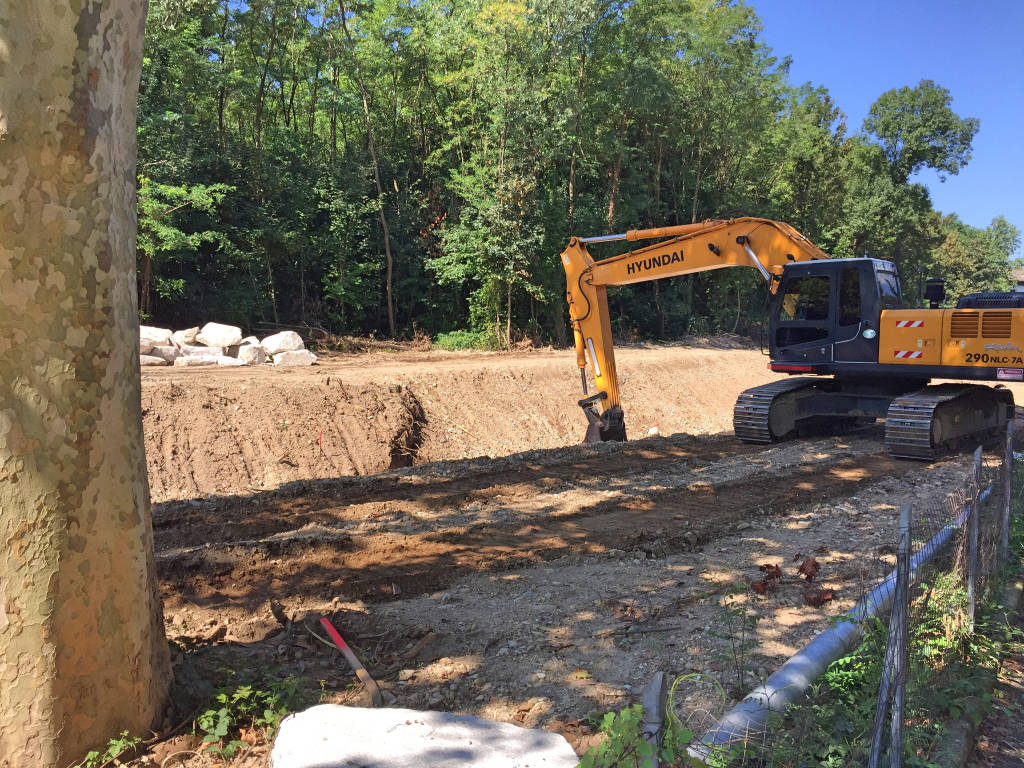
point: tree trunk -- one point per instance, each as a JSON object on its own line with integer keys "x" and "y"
{"x": 144, "y": 279}
{"x": 576, "y": 134}
{"x": 376, "y": 173}
{"x": 508, "y": 314}
{"x": 222, "y": 91}
{"x": 616, "y": 171}
{"x": 261, "y": 92}
{"x": 82, "y": 648}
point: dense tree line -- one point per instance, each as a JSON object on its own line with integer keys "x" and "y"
{"x": 401, "y": 165}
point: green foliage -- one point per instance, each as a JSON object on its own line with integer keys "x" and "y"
{"x": 255, "y": 708}
{"x": 976, "y": 259}
{"x": 466, "y": 340}
{"x": 624, "y": 744}
{"x": 918, "y": 129}
{"x": 500, "y": 129}
{"x": 946, "y": 681}
{"x": 116, "y": 747}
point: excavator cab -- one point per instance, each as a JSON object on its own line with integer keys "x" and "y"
{"x": 825, "y": 314}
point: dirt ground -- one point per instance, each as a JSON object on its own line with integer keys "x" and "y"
{"x": 537, "y": 587}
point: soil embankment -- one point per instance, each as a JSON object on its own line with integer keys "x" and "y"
{"x": 236, "y": 431}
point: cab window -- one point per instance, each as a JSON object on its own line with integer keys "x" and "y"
{"x": 806, "y": 299}
{"x": 888, "y": 289}
{"x": 849, "y": 297}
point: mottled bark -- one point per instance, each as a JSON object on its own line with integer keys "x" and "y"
{"x": 82, "y": 650}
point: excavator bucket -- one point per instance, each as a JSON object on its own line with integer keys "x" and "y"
{"x": 604, "y": 427}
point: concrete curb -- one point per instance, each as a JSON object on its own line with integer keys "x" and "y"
{"x": 955, "y": 748}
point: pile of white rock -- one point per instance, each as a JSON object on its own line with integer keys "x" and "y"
{"x": 216, "y": 344}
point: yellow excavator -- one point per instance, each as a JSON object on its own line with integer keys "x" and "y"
{"x": 838, "y": 322}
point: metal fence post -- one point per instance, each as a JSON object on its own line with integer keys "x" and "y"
{"x": 900, "y": 611}
{"x": 972, "y": 542}
{"x": 894, "y": 663}
{"x": 1004, "y": 530}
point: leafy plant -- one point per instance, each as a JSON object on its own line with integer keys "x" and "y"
{"x": 245, "y": 714}
{"x": 624, "y": 744}
{"x": 738, "y": 625}
{"x": 116, "y": 747}
{"x": 467, "y": 340}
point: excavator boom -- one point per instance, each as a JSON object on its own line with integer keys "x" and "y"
{"x": 762, "y": 244}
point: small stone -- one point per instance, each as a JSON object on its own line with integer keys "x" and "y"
{"x": 146, "y": 360}
{"x": 744, "y": 526}
{"x": 230, "y": 362}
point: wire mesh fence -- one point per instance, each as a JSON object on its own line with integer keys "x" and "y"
{"x": 903, "y": 659}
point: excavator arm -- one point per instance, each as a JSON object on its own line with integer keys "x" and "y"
{"x": 763, "y": 244}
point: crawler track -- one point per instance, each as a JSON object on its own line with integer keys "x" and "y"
{"x": 750, "y": 416}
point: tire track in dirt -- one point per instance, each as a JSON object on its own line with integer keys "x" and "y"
{"x": 327, "y": 545}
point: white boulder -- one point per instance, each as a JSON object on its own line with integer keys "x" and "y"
{"x": 217, "y": 335}
{"x": 201, "y": 351}
{"x": 151, "y": 360}
{"x": 252, "y": 354}
{"x": 332, "y": 736}
{"x": 189, "y": 361}
{"x": 285, "y": 341}
{"x": 229, "y": 361}
{"x": 169, "y": 353}
{"x": 145, "y": 347}
{"x": 154, "y": 336}
{"x": 184, "y": 338}
{"x": 249, "y": 340}
{"x": 295, "y": 357}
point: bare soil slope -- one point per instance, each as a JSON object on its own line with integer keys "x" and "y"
{"x": 219, "y": 431}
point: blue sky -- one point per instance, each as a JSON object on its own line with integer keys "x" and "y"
{"x": 860, "y": 49}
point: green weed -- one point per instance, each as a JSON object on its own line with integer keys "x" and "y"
{"x": 252, "y": 710}
{"x": 466, "y": 340}
{"x": 116, "y": 747}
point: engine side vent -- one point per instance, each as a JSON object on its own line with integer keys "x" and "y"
{"x": 964, "y": 325}
{"x": 995, "y": 325}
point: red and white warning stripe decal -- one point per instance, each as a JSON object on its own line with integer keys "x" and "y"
{"x": 906, "y": 354}
{"x": 909, "y": 323}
